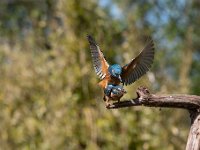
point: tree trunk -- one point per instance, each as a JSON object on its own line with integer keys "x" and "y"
{"x": 193, "y": 142}
{"x": 189, "y": 102}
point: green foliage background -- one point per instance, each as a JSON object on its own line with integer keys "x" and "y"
{"x": 49, "y": 98}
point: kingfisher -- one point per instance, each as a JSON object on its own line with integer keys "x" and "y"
{"x": 112, "y": 76}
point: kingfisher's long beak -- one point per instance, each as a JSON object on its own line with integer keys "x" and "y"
{"x": 120, "y": 79}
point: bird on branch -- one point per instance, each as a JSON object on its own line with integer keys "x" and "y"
{"x": 112, "y": 76}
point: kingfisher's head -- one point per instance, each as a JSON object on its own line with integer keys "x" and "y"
{"x": 115, "y": 71}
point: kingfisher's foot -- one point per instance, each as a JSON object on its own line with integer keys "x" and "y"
{"x": 108, "y": 104}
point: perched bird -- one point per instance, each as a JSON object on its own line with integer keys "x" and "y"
{"x": 112, "y": 75}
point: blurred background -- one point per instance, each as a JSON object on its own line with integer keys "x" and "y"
{"x": 49, "y": 97}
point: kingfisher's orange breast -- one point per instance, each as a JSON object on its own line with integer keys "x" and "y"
{"x": 109, "y": 79}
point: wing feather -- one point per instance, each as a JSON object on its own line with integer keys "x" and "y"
{"x": 99, "y": 62}
{"x": 138, "y": 66}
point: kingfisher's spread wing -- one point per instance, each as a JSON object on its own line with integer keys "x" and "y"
{"x": 99, "y": 62}
{"x": 139, "y": 65}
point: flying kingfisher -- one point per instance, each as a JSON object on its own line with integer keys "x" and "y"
{"x": 112, "y": 75}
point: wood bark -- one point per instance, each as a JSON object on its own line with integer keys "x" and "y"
{"x": 189, "y": 102}
{"x": 193, "y": 142}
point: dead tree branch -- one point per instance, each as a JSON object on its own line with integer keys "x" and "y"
{"x": 188, "y": 102}
{"x": 144, "y": 98}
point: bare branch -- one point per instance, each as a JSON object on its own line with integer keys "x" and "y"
{"x": 189, "y": 102}
{"x": 144, "y": 98}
